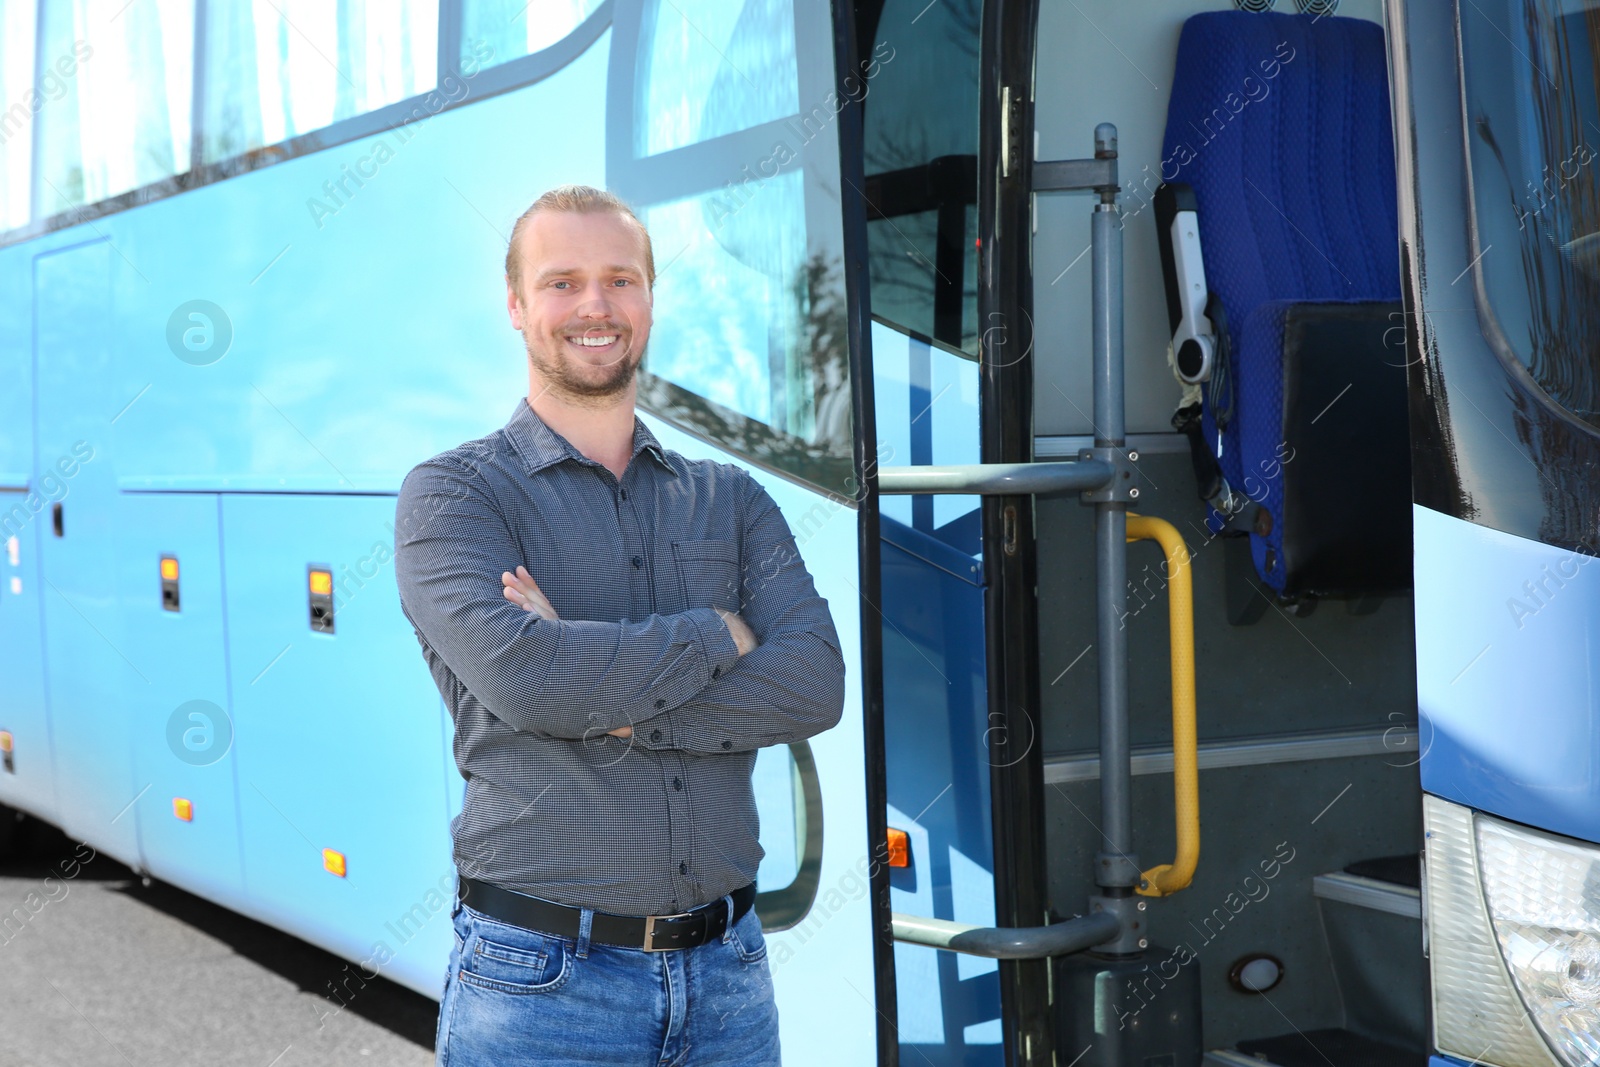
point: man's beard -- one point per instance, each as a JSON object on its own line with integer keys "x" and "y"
{"x": 564, "y": 376}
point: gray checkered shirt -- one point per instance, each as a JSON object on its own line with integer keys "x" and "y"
{"x": 554, "y": 806}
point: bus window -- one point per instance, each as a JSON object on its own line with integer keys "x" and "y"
{"x": 21, "y": 100}
{"x": 734, "y": 285}
{"x": 1533, "y": 107}
{"x": 921, "y": 131}
{"x": 729, "y": 68}
{"x": 116, "y": 115}
{"x": 735, "y": 183}
{"x": 276, "y": 69}
{"x": 515, "y": 28}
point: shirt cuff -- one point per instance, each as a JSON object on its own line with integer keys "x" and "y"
{"x": 716, "y": 644}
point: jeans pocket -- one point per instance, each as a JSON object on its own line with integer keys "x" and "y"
{"x": 748, "y": 941}
{"x": 516, "y": 961}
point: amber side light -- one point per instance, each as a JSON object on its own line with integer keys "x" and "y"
{"x": 899, "y": 848}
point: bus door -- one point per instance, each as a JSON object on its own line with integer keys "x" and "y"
{"x": 949, "y": 243}
{"x": 919, "y": 82}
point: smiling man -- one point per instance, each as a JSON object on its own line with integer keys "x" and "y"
{"x": 579, "y": 594}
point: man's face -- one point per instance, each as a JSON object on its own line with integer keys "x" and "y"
{"x": 584, "y": 309}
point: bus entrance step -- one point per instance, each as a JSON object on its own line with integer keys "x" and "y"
{"x": 1372, "y": 916}
{"x": 1316, "y": 1048}
{"x": 1370, "y": 893}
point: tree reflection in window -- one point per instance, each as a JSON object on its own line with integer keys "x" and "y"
{"x": 713, "y": 68}
{"x": 729, "y": 152}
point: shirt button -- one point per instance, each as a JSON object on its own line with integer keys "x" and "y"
{"x": 683, "y": 868}
{"x": 677, "y": 783}
{"x": 727, "y": 744}
{"x": 637, "y": 562}
{"x": 655, "y": 735}
{"x": 660, "y": 704}
{"x": 624, "y": 493}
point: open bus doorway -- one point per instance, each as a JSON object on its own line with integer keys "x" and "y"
{"x": 1302, "y": 923}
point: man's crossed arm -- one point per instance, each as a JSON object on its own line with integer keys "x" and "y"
{"x": 688, "y": 680}
{"x": 523, "y": 591}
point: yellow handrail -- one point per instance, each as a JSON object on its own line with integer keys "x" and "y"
{"x": 1171, "y": 877}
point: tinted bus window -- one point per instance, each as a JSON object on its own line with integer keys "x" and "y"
{"x": 21, "y": 100}
{"x": 516, "y": 28}
{"x": 119, "y": 115}
{"x": 921, "y": 160}
{"x": 738, "y": 181}
{"x": 1533, "y": 108}
{"x": 730, "y": 306}
{"x": 730, "y": 68}
{"x": 276, "y": 69}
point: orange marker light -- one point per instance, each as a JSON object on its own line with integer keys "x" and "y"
{"x": 322, "y": 582}
{"x": 333, "y": 862}
{"x": 169, "y": 569}
{"x": 5, "y": 740}
{"x": 183, "y": 809}
{"x": 899, "y": 848}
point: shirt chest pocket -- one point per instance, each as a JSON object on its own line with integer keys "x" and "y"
{"x": 708, "y": 573}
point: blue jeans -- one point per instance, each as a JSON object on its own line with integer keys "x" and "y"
{"x": 518, "y": 996}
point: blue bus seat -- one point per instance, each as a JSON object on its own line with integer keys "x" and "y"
{"x": 1278, "y": 139}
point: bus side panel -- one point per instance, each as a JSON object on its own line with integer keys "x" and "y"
{"x": 88, "y": 670}
{"x": 348, "y": 347}
{"x": 338, "y": 738}
{"x": 182, "y": 730}
{"x": 27, "y": 781}
{"x": 16, "y": 367}
{"x": 1508, "y": 648}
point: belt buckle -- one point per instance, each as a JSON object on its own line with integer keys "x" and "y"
{"x": 650, "y": 931}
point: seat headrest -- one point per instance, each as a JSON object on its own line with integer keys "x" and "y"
{"x": 1281, "y": 124}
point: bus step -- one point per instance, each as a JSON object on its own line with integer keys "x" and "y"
{"x": 1372, "y": 916}
{"x": 1316, "y": 1048}
{"x": 1362, "y": 891}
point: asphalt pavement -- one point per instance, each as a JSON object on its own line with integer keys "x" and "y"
{"x": 99, "y": 969}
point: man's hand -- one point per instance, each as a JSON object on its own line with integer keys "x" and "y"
{"x": 740, "y": 630}
{"x": 523, "y": 591}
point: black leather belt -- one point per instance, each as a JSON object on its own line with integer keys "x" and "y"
{"x": 653, "y": 933}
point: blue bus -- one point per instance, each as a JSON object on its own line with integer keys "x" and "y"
{"x": 986, "y": 293}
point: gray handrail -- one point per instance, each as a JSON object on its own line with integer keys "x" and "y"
{"x": 996, "y": 479}
{"x": 1018, "y": 943}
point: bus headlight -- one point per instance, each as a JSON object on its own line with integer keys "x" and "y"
{"x": 1543, "y": 898}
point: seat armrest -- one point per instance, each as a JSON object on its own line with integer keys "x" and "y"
{"x": 1195, "y": 341}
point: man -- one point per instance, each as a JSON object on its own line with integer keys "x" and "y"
{"x": 616, "y": 630}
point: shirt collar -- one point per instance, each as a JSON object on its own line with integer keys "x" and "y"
{"x": 540, "y": 446}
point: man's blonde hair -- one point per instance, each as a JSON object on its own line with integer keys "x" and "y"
{"x": 577, "y": 200}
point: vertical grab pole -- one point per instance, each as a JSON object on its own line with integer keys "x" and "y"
{"x": 1117, "y": 871}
